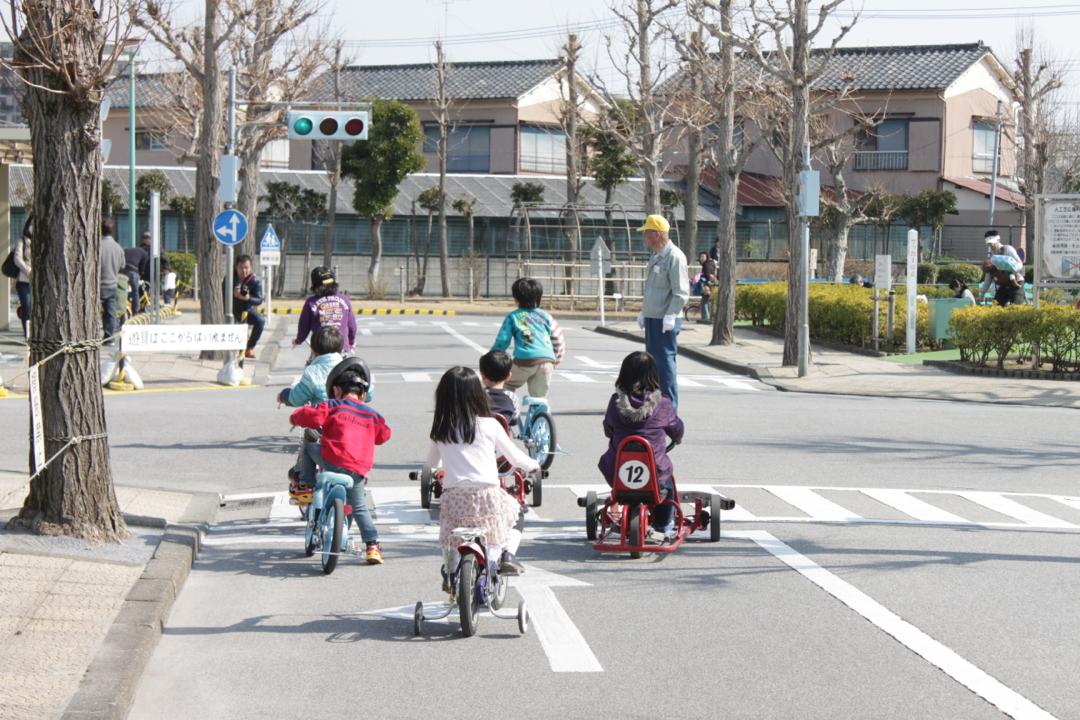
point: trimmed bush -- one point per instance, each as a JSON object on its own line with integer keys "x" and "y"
{"x": 965, "y": 272}
{"x": 982, "y": 331}
{"x": 183, "y": 264}
{"x": 926, "y": 274}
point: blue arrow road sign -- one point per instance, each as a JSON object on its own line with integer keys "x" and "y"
{"x": 270, "y": 241}
{"x": 230, "y": 227}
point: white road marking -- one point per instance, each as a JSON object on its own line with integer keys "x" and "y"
{"x": 576, "y": 377}
{"x": 364, "y": 331}
{"x": 687, "y": 382}
{"x": 398, "y": 505}
{"x": 1006, "y": 506}
{"x": 589, "y": 362}
{"x": 563, "y": 643}
{"x": 469, "y": 323}
{"x": 461, "y": 338}
{"x": 1072, "y": 502}
{"x": 811, "y": 503}
{"x": 948, "y": 661}
{"x": 736, "y": 384}
{"x": 408, "y": 323}
{"x": 414, "y": 377}
{"x": 913, "y": 506}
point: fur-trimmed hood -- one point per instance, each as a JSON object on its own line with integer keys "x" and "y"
{"x": 637, "y": 408}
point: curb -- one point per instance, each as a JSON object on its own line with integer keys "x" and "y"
{"x": 692, "y": 353}
{"x": 960, "y": 368}
{"x": 377, "y": 311}
{"x": 108, "y": 686}
{"x": 268, "y": 356}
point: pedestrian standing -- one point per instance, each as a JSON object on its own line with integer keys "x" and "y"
{"x": 704, "y": 282}
{"x": 168, "y": 282}
{"x": 667, "y": 288}
{"x": 22, "y": 260}
{"x": 247, "y": 297}
{"x": 112, "y": 264}
{"x": 135, "y": 258}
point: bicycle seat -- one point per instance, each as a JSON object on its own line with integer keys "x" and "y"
{"x": 329, "y": 479}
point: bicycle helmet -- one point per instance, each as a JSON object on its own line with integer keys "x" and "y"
{"x": 321, "y": 276}
{"x": 352, "y": 373}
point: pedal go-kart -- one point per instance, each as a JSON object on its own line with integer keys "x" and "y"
{"x": 617, "y": 521}
{"x": 474, "y": 583}
{"x": 327, "y": 529}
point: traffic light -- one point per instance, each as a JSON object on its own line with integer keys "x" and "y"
{"x": 319, "y": 125}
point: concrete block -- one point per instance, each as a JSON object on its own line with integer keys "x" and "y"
{"x": 152, "y": 590}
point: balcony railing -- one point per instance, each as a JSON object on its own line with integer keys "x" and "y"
{"x": 881, "y": 160}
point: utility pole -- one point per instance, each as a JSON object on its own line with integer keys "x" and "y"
{"x": 131, "y": 149}
{"x": 230, "y": 149}
{"x": 994, "y": 174}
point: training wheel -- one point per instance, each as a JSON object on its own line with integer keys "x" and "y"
{"x": 523, "y": 618}
{"x": 417, "y": 618}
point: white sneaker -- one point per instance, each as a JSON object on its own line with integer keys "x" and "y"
{"x": 654, "y": 537}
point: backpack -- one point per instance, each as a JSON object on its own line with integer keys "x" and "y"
{"x": 10, "y": 269}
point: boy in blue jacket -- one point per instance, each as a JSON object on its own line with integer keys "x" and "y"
{"x": 326, "y": 346}
{"x": 537, "y": 338}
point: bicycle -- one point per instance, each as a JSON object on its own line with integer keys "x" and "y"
{"x": 327, "y": 528}
{"x": 537, "y": 431}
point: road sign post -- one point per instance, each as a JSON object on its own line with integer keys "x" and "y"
{"x": 269, "y": 257}
{"x": 808, "y": 202}
{"x": 912, "y": 273}
{"x": 600, "y": 257}
{"x": 155, "y": 252}
{"x": 230, "y": 228}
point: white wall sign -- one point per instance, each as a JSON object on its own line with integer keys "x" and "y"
{"x": 1060, "y": 241}
{"x": 183, "y": 338}
{"x": 883, "y": 272}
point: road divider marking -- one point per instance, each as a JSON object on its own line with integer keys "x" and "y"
{"x": 365, "y": 332}
{"x": 687, "y": 382}
{"x": 576, "y": 377}
{"x": 913, "y": 506}
{"x": 563, "y": 643}
{"x": 462, "y": 339}
{"x": 413, "y": 377}
{"x": 1007, "y": 506}
{"x": 941, "y": 656}
{"x": 811, "y": 503}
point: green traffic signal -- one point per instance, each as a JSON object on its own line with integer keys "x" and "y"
{"x": 303, "y": 126}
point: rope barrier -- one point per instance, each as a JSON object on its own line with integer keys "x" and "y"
{"x": 61, "y": 347}
{"x": 71, "y": 442}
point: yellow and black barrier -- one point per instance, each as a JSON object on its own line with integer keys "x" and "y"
{"x": 378, "y": 311}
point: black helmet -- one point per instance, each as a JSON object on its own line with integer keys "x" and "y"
{"x": 321, "y": 276}
{"x": 350, "y": 372}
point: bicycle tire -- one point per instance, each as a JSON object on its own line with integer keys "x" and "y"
{"x": 544, "y": 448}
{"x": 468, "y": 606}
{"x": 329, "y": 559}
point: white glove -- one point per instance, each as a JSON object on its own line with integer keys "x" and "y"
{"x": 669, "y": 323}
{"x": 641, "y": 319}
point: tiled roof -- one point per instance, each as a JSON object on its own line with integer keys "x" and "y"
{"x": 465, "y": 80}
{"x": 983, "y": 188}
{"x": 905, "y": 67}
{"x": 151, "y": 89}
{"x": 492, "y": 192}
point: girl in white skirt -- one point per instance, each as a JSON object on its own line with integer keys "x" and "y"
{"x": 465, "y": 440}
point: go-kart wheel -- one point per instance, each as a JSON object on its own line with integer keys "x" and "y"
{"x": 714, "y": 518}
{"x": 537, "y": 495}
{"x": 417, "y": 618}
{"x": 498, "y": 598}
{"x": 468, "y": 603}
{"x": 633, "y": 532}
{"x": 592, "y": 517}
{"x": 425, "y": 488}
{"x": 333, "y": 528}
{"x": 523, "y": 618}
{"x": 543, "y": 439}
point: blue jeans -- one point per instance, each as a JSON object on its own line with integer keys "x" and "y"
{"x": 133, "y": 290}
{"x": 108, "y": 312}
{"x": 663, "y": 516}
{"x": 22, "y": 289}
{"x": 664, "y": 347}
{"x": 360, "y": 512}
{"x": 257, "y": 323}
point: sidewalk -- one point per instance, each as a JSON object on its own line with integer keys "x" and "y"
{"x": 77, "y": 622}
{"x": 834, "y": 372}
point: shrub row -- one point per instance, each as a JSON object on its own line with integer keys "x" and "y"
{"x": 840, "y": 313}
{"x": 183, "y": 264}
{"x": 982, "y": 332}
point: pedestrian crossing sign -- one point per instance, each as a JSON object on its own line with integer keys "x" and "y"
{"x": 270, "y": 247}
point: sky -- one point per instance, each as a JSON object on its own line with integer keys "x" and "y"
{"x": 402, "y": 31}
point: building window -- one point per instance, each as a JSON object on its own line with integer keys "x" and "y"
{"x": 150, "y": 140}
{"x": 884, "y": 147}
{"x": 543, "y": 150}
{"x": 982, "y": 159}
{"x": 468, "y": 148}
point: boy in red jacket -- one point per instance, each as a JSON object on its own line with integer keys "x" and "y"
{"x": 350, "y": 432}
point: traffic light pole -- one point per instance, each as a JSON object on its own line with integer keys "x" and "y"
{"x": 230, "y": 148}
{"x": 131, "y": 150}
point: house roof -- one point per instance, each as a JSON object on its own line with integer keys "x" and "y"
{"x": 902, "y": 67}
{"x": 492, "y": 192}
{"x": 983, "y": 188}
{"x": 151, "y": 89}
{"x": 466, "y": 80}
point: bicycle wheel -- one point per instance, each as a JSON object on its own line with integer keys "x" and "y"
{"x": 542, "y": 434}
{"x": 633, "y": 531}
{"x": 333, "y": 527}
{"x": 468, "y": 605}
{"x": 498, "y": 596}
{"x": 425, "y": 488}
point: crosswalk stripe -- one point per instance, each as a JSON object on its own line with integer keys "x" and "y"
{"x": 577, "y": 377}
{"x": 913, "y": 506}
{"x": 736, "y": 384}
{"x": 1007, "y": 506}
{"x": 811, "y": 503}
{"x": 687, "y": 382}
{"x": 365, "y": 331}
{"x": 1071, "y": 502}
{"x": 398, "y": 505}
{"x": 416, "y": 377}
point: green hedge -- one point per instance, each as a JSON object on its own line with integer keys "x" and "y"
{"x": 965, "y": 272}
{"x": 983, "y": 332}
{"x": 840, "y": 313}
{"x": 183, "y": 264}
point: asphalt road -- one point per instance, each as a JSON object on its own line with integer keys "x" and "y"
{"x": 888, "y": 558}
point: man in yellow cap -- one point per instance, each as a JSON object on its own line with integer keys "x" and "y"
{"x": 667, "y": 288}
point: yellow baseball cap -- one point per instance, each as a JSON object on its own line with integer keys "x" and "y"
{"x": 655, "y": 222}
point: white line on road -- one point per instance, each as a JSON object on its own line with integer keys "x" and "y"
{"x": 948, "y": 661}
{"x": 576, "y": 377}
{"x": 913, "y": 506}
{"x": 736, "y": 384}
{"x": 811, "y": 503}
{"x": 1013, "y": 509}
{"x": 416, "y": 377}
{"x": 589, "y": 362}
{"x": 461, "y": 338}
{"x": 563, "y": 643}
{"x": 687, "y": 382}
{"x": 364, "y": 331}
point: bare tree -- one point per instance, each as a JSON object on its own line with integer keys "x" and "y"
{"x": 570, "y": 117}
{"x": 442, "y": 107}
{"x": 64, "y": 55}
{"x": 275, "y": 64}
{"x": 639, "y": 121}
{"x": 1037, "y": 82}
{"x": 787, "y": 23}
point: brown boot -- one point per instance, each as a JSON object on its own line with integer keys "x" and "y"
{"x": 250, "y": 354}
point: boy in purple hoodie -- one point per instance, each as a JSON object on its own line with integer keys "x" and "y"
{"x": 326, "y": 306}
{"x": 639, "y": 408}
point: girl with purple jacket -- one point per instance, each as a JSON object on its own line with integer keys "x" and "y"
{"x": 638, "y": 408}
{"x": 326, "y": 306}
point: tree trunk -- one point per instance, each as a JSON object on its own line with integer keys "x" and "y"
{"x": 693, "y": 182}
{"x": 74, "y": 495}
{"x": 212, "y": 269}
{"x": 444, "y": 244}
{"x": 281, "y": 270}
{"x": 650, "y": 151}
{"x": 376, "y": 255}
{"x": 800, "y": 53}
{"x": 247, "y": 199}
{"x": 307, "y": 262}
{"x": 838, "y": 257}
{"x": 573, "y": 167}
{"x": 724, "y": 323}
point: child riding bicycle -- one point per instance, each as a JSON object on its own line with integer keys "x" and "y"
{"x": 465, "y": 440}
{"x": 538, "y": 340}
{"x": 350, "y": 432}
